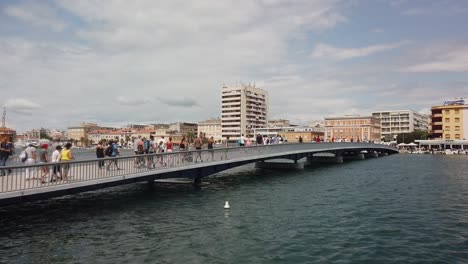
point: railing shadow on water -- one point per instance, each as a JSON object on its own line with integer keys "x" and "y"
{"x": 37, "y": 176}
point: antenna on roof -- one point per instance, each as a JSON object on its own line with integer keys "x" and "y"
{"x": 4, "y": 118}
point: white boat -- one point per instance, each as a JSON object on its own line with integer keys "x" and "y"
{"x": 449, "y": 152}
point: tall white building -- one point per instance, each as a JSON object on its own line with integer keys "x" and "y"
{"x": 243, "y": 108}
{"x": 396, "y": 122}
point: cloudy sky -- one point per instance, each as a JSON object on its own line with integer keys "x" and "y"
{"x": 120, "y": 62}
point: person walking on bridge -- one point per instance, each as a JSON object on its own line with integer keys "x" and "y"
{"x": 66, "y": 156}
{"x": 30, "y": 160}
{"x": 198, "y": 146}
{"x": 43, "y": 159}
{"x": 114, "y": 152}
{"x": 6, "y": 149}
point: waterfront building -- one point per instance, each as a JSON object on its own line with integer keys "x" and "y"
{"x": 316, "y": 123}
{"x": 354, "y": 128}
{"x": 395, "y": 122}
{"x": 450, "y": 120}
{"x": 77, "y": 134}
{"x": 307, "y": 135}
{"x": 211, "y": 128}
{"x": 144, "y": 133}
{"x": 279, "y": 123}
{"x": 291, "y": 133}
{"x": 96, "y": 136}
{"x": 182, "y": 128}
{"x": 243, "y": 109}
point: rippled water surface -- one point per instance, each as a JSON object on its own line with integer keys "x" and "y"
{"x": 397, "y": 209}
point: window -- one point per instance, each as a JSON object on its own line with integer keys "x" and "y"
{"x": 447, "y": 136}
{"x": 447, "y": 120}
{"x": 457, "y": 111}
{"x": 457, "y": 120}
{"x": 457, "y": 136}
{"x": 447, "y": 112}
{"x": 457, "y": 128}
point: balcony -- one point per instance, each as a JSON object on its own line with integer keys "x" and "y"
{"x": 437, "y": 115}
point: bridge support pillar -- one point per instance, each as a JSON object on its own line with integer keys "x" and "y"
{"x": 279, "y": 165}
{"x": 372, "y": 155}
{"x": 197, "y": 182}
{"x": 359, "y": 156}
{"x": 322, "y": 159}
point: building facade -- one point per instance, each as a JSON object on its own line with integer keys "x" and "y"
{"x": 353, "y": 128}
{"x": 396, "y": 122}
{"x": 278, "y": 123}
{"x": 182, "y": 128}
{"x": 243, "y": 108}
{"x": 450, "y": 121}
{"x": 211, "y": 128}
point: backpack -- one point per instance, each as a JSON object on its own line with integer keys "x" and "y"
{"x": 140, "y": 148}
{"x": 23, "y": 156}
{"x": 147, "y": 145}
{"x": 109, "y": 150}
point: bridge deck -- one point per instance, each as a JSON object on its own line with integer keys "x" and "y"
{"x": 24, "y": 181}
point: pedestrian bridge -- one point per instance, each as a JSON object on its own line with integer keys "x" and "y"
{"x": 26, "y": 183}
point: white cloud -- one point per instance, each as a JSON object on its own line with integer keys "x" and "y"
{"x": 175, "y": 53}
{"x": 325, "y": 51}
{"x": 453, "y": 58}
{"x": 21, "y": 105}
{"x": 132, "y": 102}
{"x": 37, "y": 14}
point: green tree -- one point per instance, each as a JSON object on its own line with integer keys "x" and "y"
{"x": 411, "y": 137}
{"x": 43, "y": 134}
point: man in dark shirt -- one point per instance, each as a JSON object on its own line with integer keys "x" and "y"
{"x": 6, "y": 150}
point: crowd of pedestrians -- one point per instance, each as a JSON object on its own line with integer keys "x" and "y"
{"x": 50, "y": 166}
{"x": 55, "y": 166}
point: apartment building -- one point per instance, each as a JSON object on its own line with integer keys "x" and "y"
{"x": 353, "y": 128}
{"x": 243, "y": 109}
{"x": 450, "y": 120}
{"x": 396, "y": 122}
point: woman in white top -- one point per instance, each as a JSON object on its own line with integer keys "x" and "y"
{"x": 56, "y": 170}
{"x": 31, "y": 160}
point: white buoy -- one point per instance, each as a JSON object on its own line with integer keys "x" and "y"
{"x": 226, "y": 205}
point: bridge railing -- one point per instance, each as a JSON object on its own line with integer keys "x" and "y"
{"x": 24, "y": 177}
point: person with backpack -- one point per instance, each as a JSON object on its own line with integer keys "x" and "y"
{"x": 113, "y": 151}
